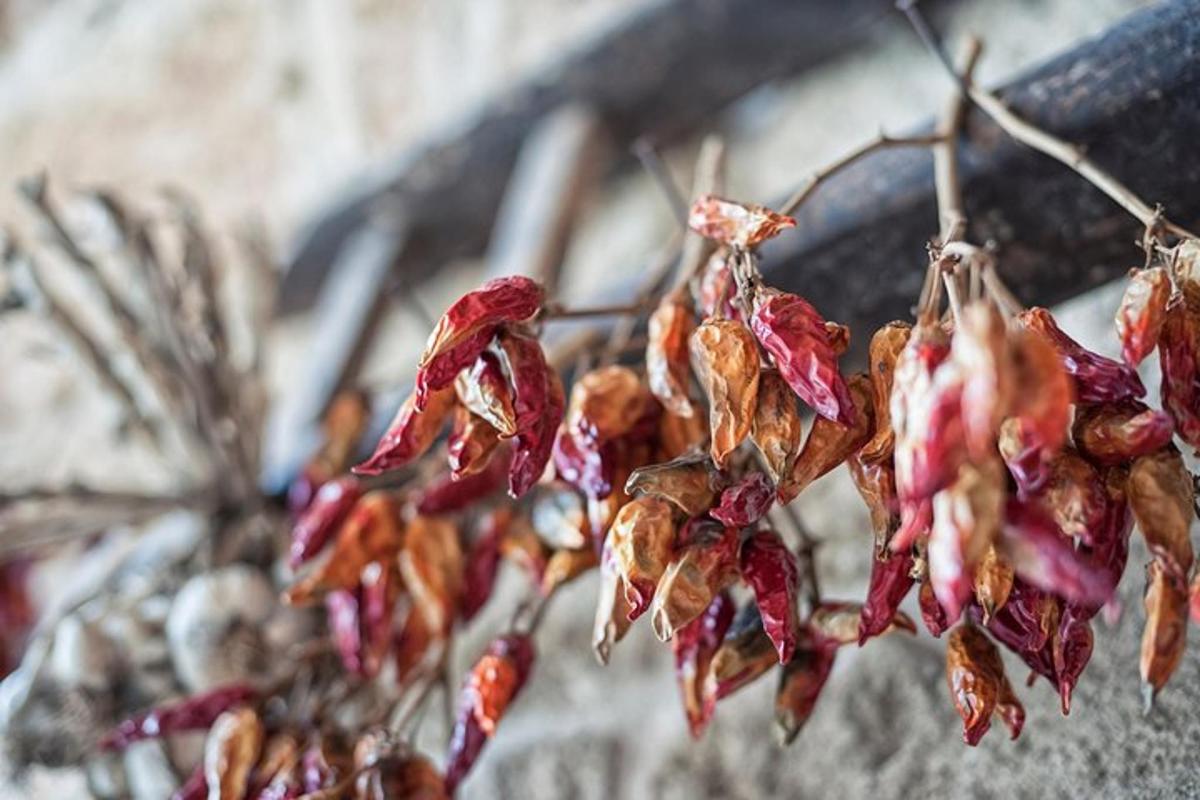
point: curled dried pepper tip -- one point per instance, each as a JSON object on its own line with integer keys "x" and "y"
{"x": 411, "y": 432}
{"x": 742, "y": 225}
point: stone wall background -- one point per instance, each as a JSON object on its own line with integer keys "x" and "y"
{"x": 270, "y": 108}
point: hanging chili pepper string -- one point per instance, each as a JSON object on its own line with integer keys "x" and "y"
{"x": 1032, "y": 136}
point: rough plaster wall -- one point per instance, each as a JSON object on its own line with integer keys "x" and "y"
{"x": 268, "y": 107}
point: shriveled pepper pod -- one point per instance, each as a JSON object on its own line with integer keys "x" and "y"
{"x": 1179, "y": 358}
{"x": 1194, "y": 599}
{"x": 277, "y": 774}
{"x": 612, "y": 608}
{"x": 230, "y": 752}
{"x": 411, "y": 432}
{"x": 485, "y": 391}
{"x": 1165, "y": 632}
{"x": 839, "y": 622}
{"x": 680, "y": 435}
{"x": 1117, "y": 433}
{"x": 876, "y": 484}
{"x": 371, "y": 533}
{"x": 1042, "y": 555}
{"x": 981, "y": 351}
{"x": 432, "y": 566}
{"x": 800, "y": 686}
{"x": 717, "y": 287}
{"x": 445, "y": 493}
{"x": 342, "y": 615}
{"x": 667, "y": 362}
{"x": 741, "y": 225}
{"x": 1185, "y": 267}
{"x": 746, "y": 653}
{"x": 890, "y": 581}
{"x": 978, "y": 685}
{"x": 830, "y": 443}
{"x": 463, "y": 332}
{"x": 642, "y": 538}
{"x": 490, "y": 688}
{"x": 690, "y": 483}
{"x": 606, "y": 403}
{"x": 932, "y": 613}
{"x": 471, "y": 444}
{"x": 1141, "y": 313}
{"x": 967, "y": 517}
{"x": 1044, "y": 391}
{"x": 777, "y": 430}
{"x": 771, "y": 570}
{"x": 887, "y": 344}
{"x": 1074, "y": 494}
{"x": 194, "y": 713}
{"x": 794, "y": 333}
{"x": 745, "y": 502}
{"x": 694, "y": 645}
{"x": 381, "y": 588}
{"x": 992, "y": 583}
{"x": 539, "y": 405}
{"x": 725, "y": 359}
{"x": 321, "y": 519}
{"x": 1161, "y": 494}
{"x": 705, "y": 563}
{"x": 412, "y": 644}
{"x": 521, "y": 546}
{"x": 1098, "y": 379}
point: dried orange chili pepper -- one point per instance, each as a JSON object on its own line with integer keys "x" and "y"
{"x": 690, "y": 482}
{"x": 1165, "y": 633}
{"x": 667, "y": 366}
{"x": 471, "y": 444}
{"x": 1117, "y": 433}
{"x": 726, "y": 361}
{"x": 1160, "y": 493}
{"x": 741, "y": 225}
{"x": 800, "y": 686}
{"x": 642, "y": 538}
{"x": 886, "y": 346}
{"x": 978, "y": 685}
{"x": 830, "y": 443}
{"x": 705, "y": 563}
{"x": 777, "y": 429}
{"x": 432, "y": 565}
{"x": 1142, "y": 312}
{"x": 1178, "y": 356}
{"x": 230, "y": 752}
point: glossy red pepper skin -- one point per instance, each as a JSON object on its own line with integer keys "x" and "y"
{"x": 330, "y": 507}
{"x": 464, "y": 331}
{"x": 195, "y": 713}
{"x": 1141, "y": 313}
{"x": 444, "y": 495}
{"x": 772, "y": 571}
{"x": 584, "y": 465}
{"x": 491, "y": 687}
{"x": 890, "y": 582}
{"x": 932, "y": 613}
{"x": 694, "y": 645}
{"x": 1178, "y": 358}
{"x": 410, "y": 434}
{"x": 1042, "y": 555}
{"x": 794, "y": 333}
{"x": 745, "y": 502}
{"x": 1098, "y": 379}
{"x": 539, "y": 405}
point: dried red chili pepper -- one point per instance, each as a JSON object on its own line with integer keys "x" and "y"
{"x": 690, "y": 482}
{"x": 342, "y": 616}
{"x": 539, "y": 404}
{"x": 432, "y": 565}
{"x": 641, "y": 538}
{"x": 484, "y": 390}
{"x": 717, "y": 287}
{"x": 464, "y": 331}
{"x": 411, "y": 432}
{"x": 1141, "y": 313}
{"x": 1098, "y": 379}
{"x": 1160, "y": 494}
{"x": 1108, "y": 546}
{"x": 1178, "y": 356}
{"x": 800, "y": 684}
{"x": 493, "y": 684}
{"x": 966, "y": 521}
{"x": 886, "y": 346}
{"x": 381, "y": 587}
{"x": 981, "y": 351}
{"x": 745, "y": 502}
{"x": 741, "y": 225}
{"x": 777, "y": 429}
{"x": 1042, "y": 555}
{"x": 1071, "y": 649}
{"x": 371, "y": 533}
{"x": 482, "y": 562}
{"x": 746, "y": 654}
{"x": 1165, "y": 634}
{"x": 667, "y": 367}
{"x": 725, "y": 358}
{"x": 343, "y": 425}
{"x": 932, "y": 613}
{"x": 1074, "y": 495}
{"x": 830, "y": 443}
{"x": 565, "y": 566}
{"x": 1117, "y": 433}
{"x": 445, "y": 494}
{"x": 1044, "y": 390}
{"x": 705, "y": 563}
{"x": 612, "y": 609}
{"x": 606, "y": 403}
{"x": 771, "y": 570}
{"x": 889, "y": 584}
{"x": 876, "y": 484}
{"x": 194, "y": 713}
{"x": 230, "y": 752}
{"x": 992, "y": 583}
{"x": 978, "y": 685}
{"x": 793, "y": 332}
{"x": 694, "y": 645}
{"x": 584, "y": 465}
{"x": 1024, "y": 454}
{"x": 471, "y": 444}
{"x": 321, "y": 519}
{"x": 839, "y": 623}
{"x": 412, "y": 643}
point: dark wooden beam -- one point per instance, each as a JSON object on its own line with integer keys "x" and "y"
{"x": 1130, "y": 97}
{"x": 662, "y": 73}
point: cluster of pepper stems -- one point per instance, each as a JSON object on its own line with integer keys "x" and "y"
{"x": 1003, "y": 465}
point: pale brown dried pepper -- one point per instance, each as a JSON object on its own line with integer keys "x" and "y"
{"x": 612, "y": 609}
{"x": 642, "y": 538}
{"x": 690, "y": 482}
{"x": 993, "y": 583}
{"x": 741, "y": 225}
{"x": 432, "y": 565}
{"x": 464, "y": 331}
{"x": 484, "y": 390}
{"x": 830, "y": 443}
{"x": 886, "y": 345}
{"x": 980, "y": 349}
{"x": 1142, "y": 312}
{"x": 679, "y": 435}
{"x": 800, "y": 685}
{"x": 840, "y": 623}
{"x": 705, "y": 563}
{"x": 777, "y": 428}
{"x": 667, "y": 366}
{"x": 411, "y": 432}
{"x": 967, "y": 517}
{"x": 1179, "y": 358}
{"x": 606, "y": 403}
{"x": 876, "y": 484}
{"x": 725, "y": 358}
{"x": 230, "y": 752}
{"x": 978, "y": 685}
{"x": 1160, "y": 493}
{"x": 1165, "y": 633}
{"x": 1117, "y": 433}
{"x": 1074, "y": 494}
{"x": 746, "y": 653}
{"x": 471, "y": 444}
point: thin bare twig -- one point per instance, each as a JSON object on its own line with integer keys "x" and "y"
{"x": 648, "y": 154}
{"x": 553, "y": 311}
